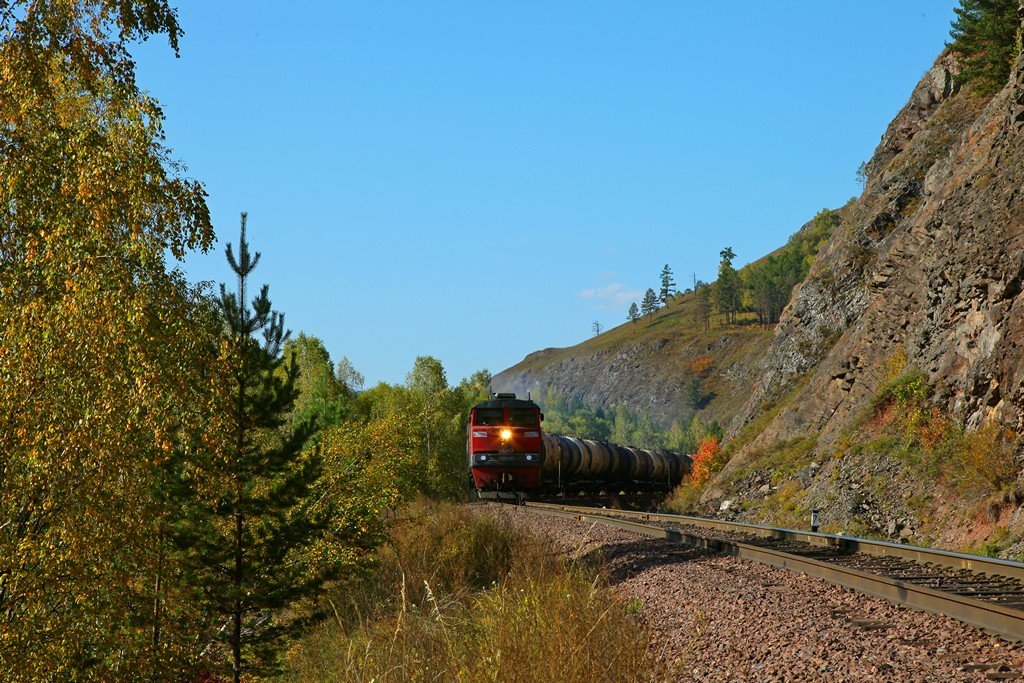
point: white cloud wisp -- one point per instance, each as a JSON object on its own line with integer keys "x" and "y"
{"x": 611, "y": 297}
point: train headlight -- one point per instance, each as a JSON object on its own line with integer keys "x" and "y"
{"x": 506, "y": 434}
{"x": 482, "y": 458}
{"x": 529, "y": 457}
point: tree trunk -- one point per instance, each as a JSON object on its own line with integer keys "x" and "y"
{"x": 236, "y": 639}
{"x": 158, "y": 601}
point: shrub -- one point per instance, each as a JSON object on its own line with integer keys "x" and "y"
{"x": 933, "y": 446}
{"x": 934, "y": 430}
{"x": 881, "y": 417}
{"x": 705, "y": 461}
{"x": 466, "y": 597}
{"x": 895, "y": 365}
{"x": 701, "y": 364}
{"x": 909, "y": 389}
{"x": 991, "y": 454}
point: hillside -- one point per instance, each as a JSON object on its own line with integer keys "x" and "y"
{"x": 890, "y": 396}
{"x": 651, "y": 366}
{"x": 900, "y": 245}
{"x": 923, "y": 284}
{"x": 645, "y": 366}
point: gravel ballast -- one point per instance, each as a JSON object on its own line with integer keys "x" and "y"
{"x": 720, "y": 618}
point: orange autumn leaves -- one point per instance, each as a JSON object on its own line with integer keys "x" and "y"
{"x": 704, "y": 461}
{"x": 701, "y": 365}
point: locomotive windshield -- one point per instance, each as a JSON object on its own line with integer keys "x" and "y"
{"x": 489, "y": 416}
{"x": 523, "y": 417}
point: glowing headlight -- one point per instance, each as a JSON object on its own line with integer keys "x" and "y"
{"x": 529, "y": 457}
{"x": 506, "y": 434}
{"x": 482, "y": 457}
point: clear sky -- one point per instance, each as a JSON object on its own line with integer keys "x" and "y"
{"x": 479, "y": 180}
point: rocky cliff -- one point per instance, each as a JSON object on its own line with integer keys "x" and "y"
{"x": 645, "y": 366}
{"x": 929, "y": 267}
{"x": 926, "y": 272}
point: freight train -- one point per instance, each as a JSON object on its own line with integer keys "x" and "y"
{"x": 508, "y": 454}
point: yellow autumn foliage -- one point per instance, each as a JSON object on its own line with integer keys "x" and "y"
{"x": 104, "y": 363}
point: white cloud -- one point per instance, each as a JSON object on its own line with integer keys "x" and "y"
{"x": 612, "y": 297}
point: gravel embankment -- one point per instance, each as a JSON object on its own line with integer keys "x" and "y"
{"x": 717, "y": 618}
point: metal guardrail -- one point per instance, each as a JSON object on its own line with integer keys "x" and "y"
{"x": 990, "y": 616}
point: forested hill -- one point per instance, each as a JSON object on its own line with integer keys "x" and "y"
{"x": 696, "y": 356}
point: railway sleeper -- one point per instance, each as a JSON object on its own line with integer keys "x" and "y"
{"x": 866, "y": 573}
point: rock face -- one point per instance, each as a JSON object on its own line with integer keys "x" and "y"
{"x": 646, "y": 369}
{"x": 928, "y": 265}
{"x": 926, "y": 271}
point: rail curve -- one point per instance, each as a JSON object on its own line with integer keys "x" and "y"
{"x": 982, "y": 591}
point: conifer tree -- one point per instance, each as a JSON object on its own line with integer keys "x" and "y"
{"x": 862, "y": 175}
{"x": 693, "y": 394}
{"x": 634, "y": 313}
{"x": 986, "y": 33}
{"x": 702, "y": 311}
{"x": 248, "y": 547}
{"x": 650, "y": 302}
{"x": 727, "y": 288}
{"x": 668, "y": 285}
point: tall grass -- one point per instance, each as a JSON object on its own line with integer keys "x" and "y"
{"x": 459, "y": 596}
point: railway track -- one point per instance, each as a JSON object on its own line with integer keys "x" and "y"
{"x": 981, "y": 591}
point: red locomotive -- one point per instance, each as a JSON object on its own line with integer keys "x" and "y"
{"x": 504, "y": 446}
{"x": 510, "y": 456}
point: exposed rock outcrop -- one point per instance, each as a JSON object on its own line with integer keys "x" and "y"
{"x": 929, "y": 265}
{"x": 646, "y": 367}
{"x": 926, "y": 271}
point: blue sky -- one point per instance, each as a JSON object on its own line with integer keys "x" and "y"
{"x": 479, "y": 180}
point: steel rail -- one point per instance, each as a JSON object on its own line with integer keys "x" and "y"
{"x": 942, "y": 558}
{"x": 987, "y": 615}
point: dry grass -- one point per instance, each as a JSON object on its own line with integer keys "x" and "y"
{"x": 952, "y": 477}
{"x": 463, "y": 597}
{"x": 989, "y": 456}
{"x": 685, "y": 498}
{"x": 971, "y": 465}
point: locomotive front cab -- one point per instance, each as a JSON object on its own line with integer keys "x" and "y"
{"x": 504, "y": 445}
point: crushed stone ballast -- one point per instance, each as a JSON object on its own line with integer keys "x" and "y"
{"x": 982, "y": 591}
